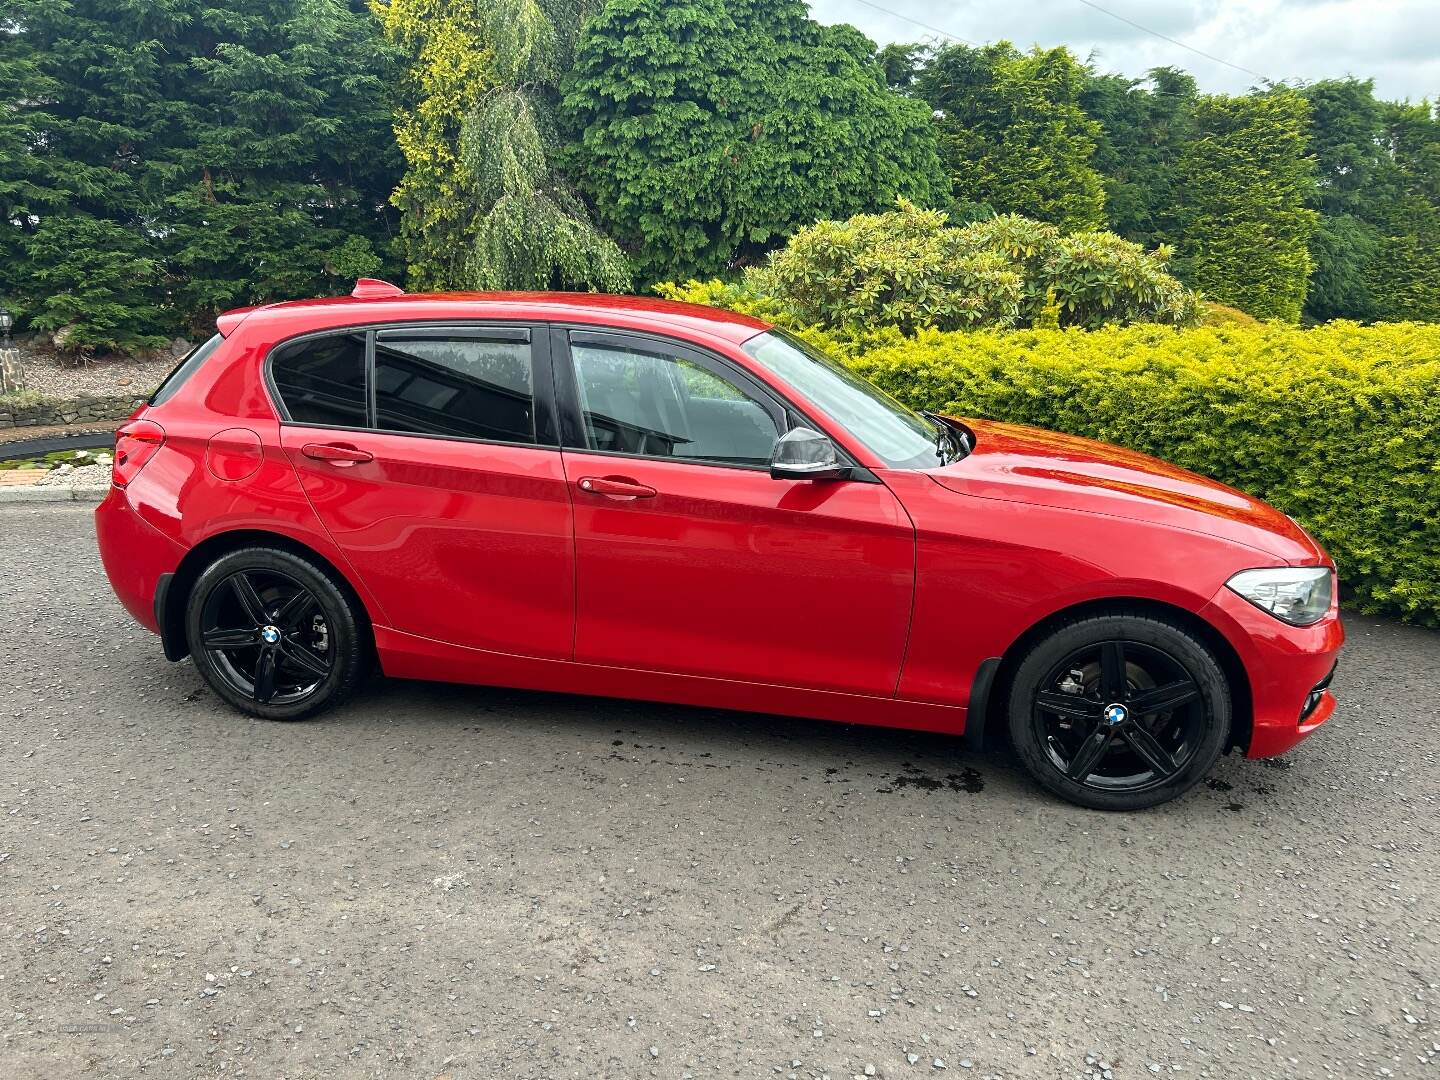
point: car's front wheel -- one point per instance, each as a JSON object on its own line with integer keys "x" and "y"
{"x": 274, "y": 635}
{"x": 1119, "y": 711}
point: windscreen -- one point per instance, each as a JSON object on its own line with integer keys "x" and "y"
{"x": 902, "y": 438}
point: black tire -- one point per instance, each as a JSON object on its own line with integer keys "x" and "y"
{"x": 321, "y": 654}
{"x": 1077, "y": 744}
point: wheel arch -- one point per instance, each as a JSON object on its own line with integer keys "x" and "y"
{"x": 171, "y": 603}
{"x": 1242, "y": 719}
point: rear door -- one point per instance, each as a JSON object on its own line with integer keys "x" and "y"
{"x": 690, "y": 558}
{"x": 430, "y": 455}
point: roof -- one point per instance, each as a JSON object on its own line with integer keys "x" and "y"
{"x": 628, "y": 311}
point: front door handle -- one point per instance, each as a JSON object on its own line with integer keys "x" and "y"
{"x": 615, "y": 487}
{"x": 342, "y": 454}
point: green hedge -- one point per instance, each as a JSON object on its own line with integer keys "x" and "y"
{"x": 1338, "y": 426}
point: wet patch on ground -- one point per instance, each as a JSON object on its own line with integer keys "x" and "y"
{"x": 967, "y": 780}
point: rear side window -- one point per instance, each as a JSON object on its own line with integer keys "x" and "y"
{"x": 189, "y": 364}
{"x": 322, "y": 381}
{"x": 463, "y": 388}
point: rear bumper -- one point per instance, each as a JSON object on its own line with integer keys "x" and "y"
{"x": 135, "y": 555}
{"x": 1289, "y": 668}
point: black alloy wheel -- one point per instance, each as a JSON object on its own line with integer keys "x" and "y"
{"x": 1120, "y": 711}
{"x": 273, "y": 634}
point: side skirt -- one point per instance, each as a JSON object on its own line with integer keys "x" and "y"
{"x": 408, "y": 656}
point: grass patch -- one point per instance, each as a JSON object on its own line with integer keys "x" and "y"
{"x": 55, "y": 459}
{"x": 21, "y": 399}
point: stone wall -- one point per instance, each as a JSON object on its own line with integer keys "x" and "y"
{"x": 80, "y": 411}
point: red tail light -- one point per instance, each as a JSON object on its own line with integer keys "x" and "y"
{"x": 135, "y": 444}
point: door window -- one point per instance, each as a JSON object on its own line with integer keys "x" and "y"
{"x": 661, "y": 404}
{"x": 322, "y": 381}
{"x": 464, "y": 388}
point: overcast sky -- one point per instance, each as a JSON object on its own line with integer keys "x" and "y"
{"x": 1396, "y": 42}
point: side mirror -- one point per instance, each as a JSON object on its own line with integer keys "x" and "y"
{"x": 804, "y": 454}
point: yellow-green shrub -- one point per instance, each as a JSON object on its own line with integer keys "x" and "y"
{"x": 1338, "y": 426}
{"x": 909, "y": 268}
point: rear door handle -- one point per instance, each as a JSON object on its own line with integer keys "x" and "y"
{"x": 336, "y": 453}
{"x": 615, "y": 487}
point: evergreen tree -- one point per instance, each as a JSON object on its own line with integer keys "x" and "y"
{"x": 1377, "y": 248}
{"x": 1012, "y": 132}
{"x": 709, "y": 130}
{"x": 206, "y": 157}
{"x": 1145, "y": 126}
{"x": 1355, "y": 178}
{"x": 1404, "y": 278}
{"x": 1344, "y": 251}
{"x": 1245, "y": 183}
{"x": 901, "y": 63}
{"x": 484, "y": 204}
{"x": 446, "y": 76}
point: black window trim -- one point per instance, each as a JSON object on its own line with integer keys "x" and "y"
{"x": 567, "y": 394}
{"x": 496, "y": 332}
{"x": 533, "y": 333}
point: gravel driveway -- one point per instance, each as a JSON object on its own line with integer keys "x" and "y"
{"x": 460, "y": 882}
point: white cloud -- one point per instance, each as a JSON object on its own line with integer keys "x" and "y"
{"x": 1395, "y": 42}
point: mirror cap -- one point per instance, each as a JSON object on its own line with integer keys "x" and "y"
{"x": 804, "y": 454}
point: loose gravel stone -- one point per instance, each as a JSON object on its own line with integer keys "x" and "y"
{"x": 85, "y": 476}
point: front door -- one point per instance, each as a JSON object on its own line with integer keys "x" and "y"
{"x": 691, "y": 559}
{"x": 435, "y": 469}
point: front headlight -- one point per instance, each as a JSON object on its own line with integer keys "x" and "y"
{"x": 1298, "y": 595}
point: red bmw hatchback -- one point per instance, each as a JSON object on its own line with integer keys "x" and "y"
{"x": 635, "y": 498}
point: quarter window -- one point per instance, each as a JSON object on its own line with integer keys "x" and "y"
{"x": 182, "y": 371}
{"x": 659, "y": 404}
{"x": 322, "y": 381}
{"x": 460, "y": 388}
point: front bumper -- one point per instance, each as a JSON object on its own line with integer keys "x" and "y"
{"x": 1289, "y": 669}
{"x": 135, "y": 556}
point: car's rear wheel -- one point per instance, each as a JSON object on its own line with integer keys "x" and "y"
{"x": 1119, "y": 711}
{"x": 274, "y": 635}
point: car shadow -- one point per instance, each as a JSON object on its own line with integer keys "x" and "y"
{"x": 883, "y": 760}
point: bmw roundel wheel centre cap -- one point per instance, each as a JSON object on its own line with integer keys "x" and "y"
{"x": 1116, "y": 715}
{"x": 270, "y": 635}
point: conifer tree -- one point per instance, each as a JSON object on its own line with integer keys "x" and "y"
{"x": 1245, "y": 184}
{"x": 1013, "y": 135}
{"x": 162, "y": 161}
{"x": 484, "y": 204}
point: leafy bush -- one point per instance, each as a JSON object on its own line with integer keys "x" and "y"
{"x": 1212, "y": 314}
{"x": 1093, "y": 278}
{"x": 909, "y": 269}
{"x": 1338, "y": 426}
{"x": 904, "y": 268}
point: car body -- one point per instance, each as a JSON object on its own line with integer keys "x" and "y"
{"x": 553, "y": 546}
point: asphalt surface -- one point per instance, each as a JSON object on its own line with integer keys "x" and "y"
{"x": 459, "y": 882}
